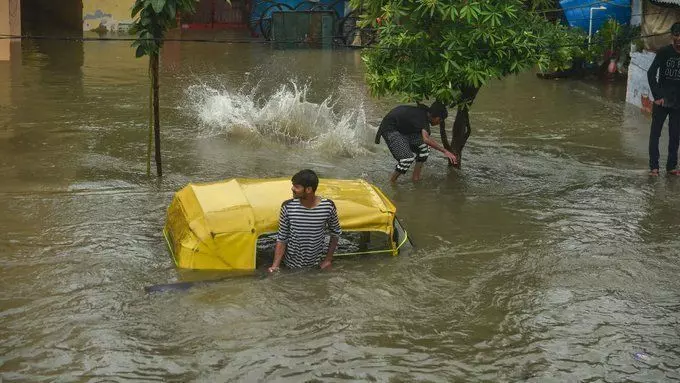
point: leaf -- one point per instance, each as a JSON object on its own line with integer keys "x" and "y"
{"x": 140, "y": 52}
{"x": 158, "y": 5}
{"x": 139, "y": 5}
{"x": 465, "y": 11}
{"x": 170, "y": 9}
{"x": 454, "y": 13}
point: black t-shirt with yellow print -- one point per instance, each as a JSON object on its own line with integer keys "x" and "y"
{"x": 667, "y": 65}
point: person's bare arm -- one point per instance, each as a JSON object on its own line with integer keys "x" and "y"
{"x": 334, "y": 227}
{"x": 281, "y": 240}
{"x": 332, "y": 246}
{"x": 434, "y": 144}
{"x": 278, "y": 256}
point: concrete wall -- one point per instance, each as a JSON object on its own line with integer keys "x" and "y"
{"x": 4, "y": 29}
{"x": 15, "y": 17}
{"x": 107, "y": 15}
{"x": 637, "y": 89}
{"x": 10, "y": 24}
{"x": 637, "y": 92}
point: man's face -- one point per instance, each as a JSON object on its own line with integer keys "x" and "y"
{"x": 434, "y": 121}
{"x": 300, "y": 191}
{"x": 676, "y": 40}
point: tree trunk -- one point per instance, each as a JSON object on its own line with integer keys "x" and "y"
{"x": 156, "y": 115}
{"x": 149, "y": 147}
{"x": 461, "y": 126}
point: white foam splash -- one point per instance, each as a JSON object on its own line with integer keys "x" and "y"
{"x": 284, "y": 117}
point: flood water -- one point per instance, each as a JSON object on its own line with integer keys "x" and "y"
{"x": 550, "y": 257}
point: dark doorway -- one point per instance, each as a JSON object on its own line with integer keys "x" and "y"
{"x": 50, "y": 17}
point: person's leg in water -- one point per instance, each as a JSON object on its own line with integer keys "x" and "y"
{"x": 422, "y": 153}
{"x": 401, "y": 151}
{"x": 659, "y": 114}
{"x": 673, "y": 141}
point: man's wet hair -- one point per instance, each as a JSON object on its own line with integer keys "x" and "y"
{"x": 306, "y": 178}
{"x": 437, "y": 109}
{"x": 675, "y": 29}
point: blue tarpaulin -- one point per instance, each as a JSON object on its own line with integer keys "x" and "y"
{"x": 577, "y": 12}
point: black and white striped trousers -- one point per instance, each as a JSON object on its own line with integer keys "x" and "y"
{"x": 406, "y": 148}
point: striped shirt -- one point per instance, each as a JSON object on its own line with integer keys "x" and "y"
{"x": 304, "y": 231}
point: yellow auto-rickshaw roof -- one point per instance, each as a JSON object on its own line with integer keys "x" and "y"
{"x": 239, "y": 205}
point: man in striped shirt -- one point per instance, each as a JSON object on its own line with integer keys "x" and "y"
{"x": 303, "y": 223}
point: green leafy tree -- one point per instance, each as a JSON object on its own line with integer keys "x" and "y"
{"x": 448, "y": 49}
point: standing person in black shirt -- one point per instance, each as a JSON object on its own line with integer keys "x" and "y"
{"x": 406, "y": 130}
{"x": 666, "y": 92}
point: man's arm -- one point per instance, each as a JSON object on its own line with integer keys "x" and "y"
{"x": 278, "y": 255}
{"x": 334, "y": 226}
{"x": 432, "y": 143}
{"x": 332, "y": 246}
{"x": 651, "y": 78}
{"x": 281, "y": 239}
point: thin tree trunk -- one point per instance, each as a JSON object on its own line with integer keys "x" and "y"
{"x": 149, "y": 147}
{"x": 444, "y": 136}
{"x": 461, "y": 126}
{"x": 156, "y": 116}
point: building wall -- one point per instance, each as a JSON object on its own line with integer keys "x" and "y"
{"x": 10, "y": 24}
{"x": 107, "y": 15}
{"x": 637, "y": 92}
{"x": 4, "y": 29}
{"x": 15, "y": 17}
{"x": 637, "y": 89}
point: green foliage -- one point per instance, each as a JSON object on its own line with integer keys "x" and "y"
{"x": 538, "y": 5}
{"x": 152, "y": 19}
{"x": 611, "y": 31}
{"x": 565, "y": 44}
{"x": 613, "y": 37}
{"x": 432, "y": 49}
{"x": 562, "y": 45}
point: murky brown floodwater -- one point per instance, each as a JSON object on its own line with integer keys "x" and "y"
{"x": 550, "y": 257}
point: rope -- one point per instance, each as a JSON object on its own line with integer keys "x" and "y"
{"x": 379, "y": 251}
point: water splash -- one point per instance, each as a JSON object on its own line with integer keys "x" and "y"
{"x": 284, "y": 117}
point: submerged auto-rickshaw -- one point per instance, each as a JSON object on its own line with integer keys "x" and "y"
{"x": 216, "y": 226}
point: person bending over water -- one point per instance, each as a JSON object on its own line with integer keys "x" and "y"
{"x": 406, "y": 130}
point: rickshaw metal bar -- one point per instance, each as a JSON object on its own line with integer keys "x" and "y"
{"x": 167, "y": 240}
{"x": 379, "y": 251}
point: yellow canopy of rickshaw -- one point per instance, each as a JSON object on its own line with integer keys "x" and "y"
{"x": 215, "y": 226}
